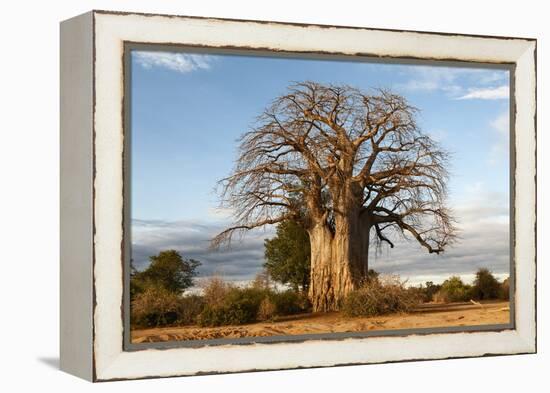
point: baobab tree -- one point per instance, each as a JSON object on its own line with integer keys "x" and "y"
{"x": 347, "y": 165}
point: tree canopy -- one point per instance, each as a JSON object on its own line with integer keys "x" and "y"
{"x": 486, "y": 286}
{"x": 340, "y": 161}
{"x": 326, "y": 142}
{"x": 288, "y": 255}
{"x": 168, "y": 270}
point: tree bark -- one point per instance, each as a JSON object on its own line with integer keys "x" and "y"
{"x": 339, "y": 261}
{"x": 323, "y": 288}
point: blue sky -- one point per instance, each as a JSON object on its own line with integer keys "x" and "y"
{"x": 188, "y": 110}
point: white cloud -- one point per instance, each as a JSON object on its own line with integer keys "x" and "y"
{"x": 494, "y": 77}
{"x": 425, "y": 78}
{"x": 494, "y": 93}
{"x": 179, "y": 62}
{"x": 456, "y": 82}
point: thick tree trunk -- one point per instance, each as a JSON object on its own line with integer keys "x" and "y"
{"x": 329, "y": 280}
{"x": 339, "y": 261}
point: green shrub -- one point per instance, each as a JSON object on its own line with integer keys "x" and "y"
{"x": 212, "y": 316}
{"x": 137, "y": 286}
{"x": 155, "y": 306}
{"x": 288, "y": 302}
{"x": 240, "y": 306}
{"x": 238, "y": 313}
{"x": 430, "y": 290}
{"x": 486, "y": 286}
{"x": 247, "y": 294}
{"x": 220, "y": 304}
{"x": 426, "y": 292}
{"x": 377, "y": 297}
{"x": 419, "y": 292}
{"x": 246, "y": 305}
{"x": 189, "y": 308}
{"x": 454, "y": 290}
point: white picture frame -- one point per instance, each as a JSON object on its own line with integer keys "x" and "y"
{"x": 92, "y": 193}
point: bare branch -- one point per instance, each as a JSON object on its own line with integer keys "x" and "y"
{"x": 381, "y": 236}
{"x": 227, "y": 234}
{"x": 320, "y": 152}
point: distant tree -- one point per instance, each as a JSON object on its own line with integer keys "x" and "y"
{"x": 288, "y": 255}
{"x": 137, "y": 285}
{"x": 454, "y": 290}
{"x": 168, "y": 270}
{"x": 431, "y": 289}
{"x": 486, "y": 286}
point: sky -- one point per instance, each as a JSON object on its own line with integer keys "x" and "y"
{"x": 189, "y": 109}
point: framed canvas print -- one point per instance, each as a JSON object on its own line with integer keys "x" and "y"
{"x": 245, "y": 195}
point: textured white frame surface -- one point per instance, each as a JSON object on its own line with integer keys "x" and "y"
{"x": 111, "y": 30}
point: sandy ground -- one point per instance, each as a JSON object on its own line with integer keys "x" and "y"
{"x": 427, "y": 315}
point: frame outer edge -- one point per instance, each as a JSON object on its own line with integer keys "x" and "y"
{"x": 526, "y": 198}
{"x": 115, "y": 365}
{"x": 76, "y": 196}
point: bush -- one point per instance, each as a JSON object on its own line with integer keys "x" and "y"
{"x": 227, "y": 305}
{"x": 215, "y": 290}
{"x": 211, "y": 316}
{"x": 267, "y": 310}
{"x": 372, "y": 275}
{"x": 430, "y": 290}
{"x": 241, "y": 305}
{"x": 426, "y": 292}
{"x": 377, "y": 297}
{"x": 189, "y": 308}
{"x": 453, "y": 290}
{"x": 137, "y": 286}
{"x": 289, "y": 302}
{"x": 155, "y": 306}
{"x": 486, "y": 286}
{"x": 419, "y": 292}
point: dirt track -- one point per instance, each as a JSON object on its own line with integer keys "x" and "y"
{"x": 428, "y": 315}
